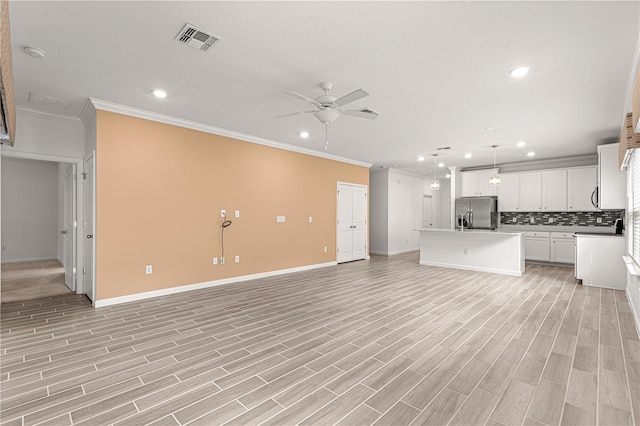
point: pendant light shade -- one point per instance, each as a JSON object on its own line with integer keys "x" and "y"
{"x": 435, "y": 183}
{"x": 494, "y": 179}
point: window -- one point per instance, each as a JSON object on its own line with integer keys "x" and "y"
{"x": 633, "y": 210}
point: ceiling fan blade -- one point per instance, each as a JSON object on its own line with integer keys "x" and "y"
{"x": 302, "y": 98}
{"x": 351, "y": 97}
{"x": 294, "y": 114}
{"x": 362, "y": 113}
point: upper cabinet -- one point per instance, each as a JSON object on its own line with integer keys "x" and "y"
{"x": 538, "y": 191}
{"x": 581, "y": 188}
{"x": 476, "y": 184}
{"x": 509, "y": 193}
{"x": 612, "y": 183}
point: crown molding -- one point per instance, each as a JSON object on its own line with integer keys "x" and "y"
{"x": 551, "y": 163}
{"x": 205, "y": 128}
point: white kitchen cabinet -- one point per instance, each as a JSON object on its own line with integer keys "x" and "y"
{"x": 530, "y": 192}
{"x": 562, "y": 249}
{"x": 612, "y": 183}
{"x": 536, "y": 246}
{"x": 509, "y": 193}
{"x": 581, "y": 185}
{"x": 476, "y": 184}
{"x": 554, "y": 190}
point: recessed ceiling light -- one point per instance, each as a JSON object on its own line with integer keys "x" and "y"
{"x": 440, "y": 164}
{"x": 304, "y": 135}
{"x": 159, "y": 93}
{"x": 421, "y": 158}
{"x": 530, "y": 154}
{"x": 519, "y": 72}
{"x": 520, "y": 144}
{"x": 395, "y": 165}
{"x": 467, "y": 155}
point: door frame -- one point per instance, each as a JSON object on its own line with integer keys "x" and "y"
{"x": 79, "y": 190}
{"x": 91, "y": 157}
{"x": 366, "y": 239}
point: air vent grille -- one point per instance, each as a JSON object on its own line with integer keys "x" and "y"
{"x": 49, "y": 101}
{"x": 196, "y": 38}
{"x": 443, "y": 148}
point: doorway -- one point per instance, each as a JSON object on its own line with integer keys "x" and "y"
{"x": 40, "y": 213}
{"x": 427, "y": 211}
{"x": 352, "y": 222}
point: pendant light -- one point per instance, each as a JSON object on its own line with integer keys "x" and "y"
{"x": 494, "y": 180}
{"x": 435, "y": 183}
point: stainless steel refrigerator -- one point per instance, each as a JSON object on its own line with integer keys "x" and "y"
{"x": 477, "y": 212}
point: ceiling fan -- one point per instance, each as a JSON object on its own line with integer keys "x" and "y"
{"x": 328, "y": 108}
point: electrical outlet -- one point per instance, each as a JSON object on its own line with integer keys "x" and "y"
{"x": 237, "y": 214}
{"x": 532, "y": 220}
{"x": 514, "y": 220}
{"x": 148, "y": 269}
{"x": 281, "y": 219}
{"x": 237, "y": 259}
{"x": 550, "y": 220}
{"x": 215, "y": 260}
{"x": 223, "y": 213}
{"x": 598, "y": 220}
{"x": 222, "y": 260}
{"x": 325, "y": 249}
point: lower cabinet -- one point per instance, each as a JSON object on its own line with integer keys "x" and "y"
{"x": 536, "y": 246}
{"x": 562, "y": 247}
{"x": 558, "y": 247}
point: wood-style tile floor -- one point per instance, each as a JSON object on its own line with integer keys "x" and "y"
{"x": 383, "y": 342}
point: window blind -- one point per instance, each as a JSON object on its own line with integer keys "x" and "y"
{"x": 633, "y": 212}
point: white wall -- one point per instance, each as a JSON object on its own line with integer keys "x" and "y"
{"x": 378, "y": 211}
{"x": 38, "y": 133}
{"x": 29, "y": 210}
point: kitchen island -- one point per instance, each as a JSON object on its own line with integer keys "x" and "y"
{"x": 475, "y": 250}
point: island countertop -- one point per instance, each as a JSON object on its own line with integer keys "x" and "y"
{"x": 475, "y": 249}
{"x": 492, "y": 231}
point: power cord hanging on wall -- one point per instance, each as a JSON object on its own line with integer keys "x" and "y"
{"x": 225, "y": 224}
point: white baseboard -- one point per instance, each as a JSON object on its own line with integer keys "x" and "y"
{"x": 198, "y": 286}
{"x": 474, "y": 268}
{"x": 34, "y": 259}
{"x": 393, "y": 253}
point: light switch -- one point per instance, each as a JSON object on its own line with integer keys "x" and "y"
{"x": 148, "y": 269}
{"x": 223, "y": 213}
{"x": 237, "y": 213}
{"x": 281, "y": 219}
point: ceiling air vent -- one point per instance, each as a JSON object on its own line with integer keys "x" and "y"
{"x": 197, "y": 39}
{"x": 444, "y": 148}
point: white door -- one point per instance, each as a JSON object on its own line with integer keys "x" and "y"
{"x": 427, "y": 211}
{"x": 68, "y": 231}
{"x": 352, "y": 222}
{"x": 89, "y": 245}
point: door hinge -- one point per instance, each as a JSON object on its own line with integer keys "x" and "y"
{"x": 74, "y": 270}
{"x": 84, "y": 176}
{"x": 337, "y": 250}
{"x": 75, "y": 223}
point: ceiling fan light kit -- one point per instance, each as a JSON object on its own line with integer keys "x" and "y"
{"x": 328, "y": 108}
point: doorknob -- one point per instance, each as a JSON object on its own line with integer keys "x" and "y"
{"x": 89, "y": 236}
{"x": 63, "y": 232}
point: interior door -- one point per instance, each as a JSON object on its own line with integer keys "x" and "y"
{"x": 68, "y": 231}
{"x": 352, "y": 222}
{"x": 359, "y": 221}
{"x": 427, "y": 211}
{"x": 89, "y": 246}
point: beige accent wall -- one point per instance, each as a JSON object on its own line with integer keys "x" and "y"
{"x": 160, "y": 189}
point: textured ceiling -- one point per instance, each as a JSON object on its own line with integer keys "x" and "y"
{"x": 437, "y": 71}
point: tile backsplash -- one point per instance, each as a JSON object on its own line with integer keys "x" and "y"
{"x": 561, "y": 218}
